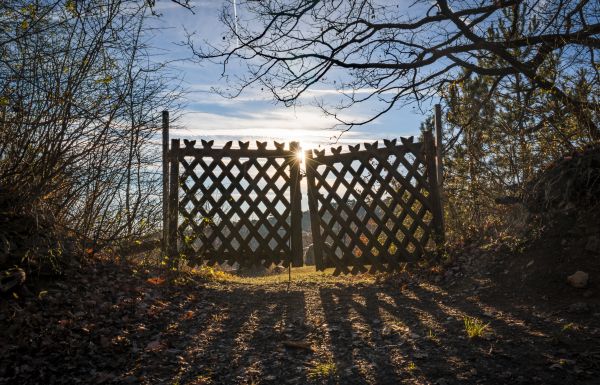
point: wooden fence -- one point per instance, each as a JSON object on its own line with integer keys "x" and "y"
{"x": 371, "y": 207}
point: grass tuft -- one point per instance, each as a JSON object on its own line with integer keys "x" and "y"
{"x": 323, "y": 370}
{"x": 475, "y": 327}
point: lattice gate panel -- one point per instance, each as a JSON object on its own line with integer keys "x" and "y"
{"x": 238, "y": 204}
{"x": 371, "y": 209}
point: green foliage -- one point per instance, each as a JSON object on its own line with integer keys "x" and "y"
{"x": 502, "y": 131}
{"x": 499, "y": 138}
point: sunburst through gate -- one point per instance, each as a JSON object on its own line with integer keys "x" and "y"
{"x": 235, "y": 205}
{"x": 371, "y": 207}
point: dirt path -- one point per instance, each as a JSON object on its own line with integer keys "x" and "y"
{"x": 111, "y": 325}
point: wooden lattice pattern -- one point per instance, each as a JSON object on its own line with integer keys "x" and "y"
{"x": 238, "y": 204}
{"x": 374, "y": 207}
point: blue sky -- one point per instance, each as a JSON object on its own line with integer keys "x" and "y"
{"x": 253, "y": 115}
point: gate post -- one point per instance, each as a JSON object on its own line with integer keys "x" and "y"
{"x": 434, "y": 190}
{"x": 173, "y": 202}
{"x": 165, "y": 180}
{"x": 296, "y": 209}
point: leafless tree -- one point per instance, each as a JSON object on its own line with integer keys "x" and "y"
{"x": 396, "y": 53}
{"x": 80, "y": 95}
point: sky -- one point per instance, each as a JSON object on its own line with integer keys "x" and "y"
{"x": 253, "y": 115}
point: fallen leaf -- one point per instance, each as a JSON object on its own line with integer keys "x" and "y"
{"x": 156, "y": 280}
{"x": 188, "y": 315}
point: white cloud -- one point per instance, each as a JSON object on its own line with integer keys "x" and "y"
{"x": 307, "y": 125}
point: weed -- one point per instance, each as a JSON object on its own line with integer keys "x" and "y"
{"x": 567, "y": 327}
{"x": 432, "y": 336}
{"x": 411, "y": 366}
{"x": 475, "y": 327}
{"x": 323, "y": 370}
{"x": 562, "y": 336}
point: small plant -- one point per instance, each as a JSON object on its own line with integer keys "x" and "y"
{"x": 411, "y": 366}
{"x": 562, "y": 336}
{"x": 432, "y": 336}
{"x": 475, "y": 327}
{"x": 323, "y": 370}
{"x": 567, "y": 327}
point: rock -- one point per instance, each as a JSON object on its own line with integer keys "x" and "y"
{"x": 578, "y": 308}
{"x": 579, "y": 279}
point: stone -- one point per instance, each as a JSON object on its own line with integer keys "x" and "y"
{"x": 579, "y": 279}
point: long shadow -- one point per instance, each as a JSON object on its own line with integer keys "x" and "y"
{"x": 520, "y": 348}
{"x": 364, "y": 356}
{"x": 248, "y": 342}
{"x": 236, "y": 335}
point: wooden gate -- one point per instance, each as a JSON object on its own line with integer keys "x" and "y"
{"x": 235, "y": 205}
{"x": 371, "y": 208}
{"x": 374, "y": 207}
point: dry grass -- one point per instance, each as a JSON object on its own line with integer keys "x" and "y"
{"x": 298, "y": 274}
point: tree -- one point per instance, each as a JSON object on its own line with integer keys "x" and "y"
{"x": 394, "y": 54}
{"x": 497, "y": 142}
{"x": 79, "y": 98}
